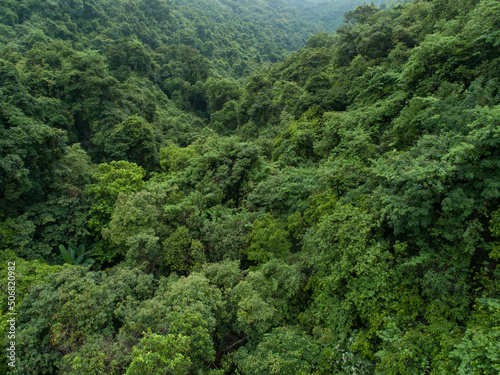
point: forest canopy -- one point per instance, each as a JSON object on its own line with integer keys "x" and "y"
{"x": 250, "y": 187}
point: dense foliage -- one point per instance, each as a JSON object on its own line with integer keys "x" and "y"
{"x": 183, "y": 195}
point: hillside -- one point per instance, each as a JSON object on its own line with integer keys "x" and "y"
{"x": 204, "y": 187}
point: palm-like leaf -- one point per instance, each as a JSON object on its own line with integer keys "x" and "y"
{"x": 65, "y": 254}
{"x": 75, "y": 255}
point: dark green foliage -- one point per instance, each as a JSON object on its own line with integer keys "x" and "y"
{"x": 73, "y": 308}
{"x": 134, "y": 140}
{"x": 251, "y": 211}
{"x": 225, "y": 167}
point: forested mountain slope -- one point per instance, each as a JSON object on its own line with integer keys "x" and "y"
{"x": 328, "y": 15}
{"x": 334, "y": 212}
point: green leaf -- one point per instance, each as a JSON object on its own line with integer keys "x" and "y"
{"x": 65, "y": 254}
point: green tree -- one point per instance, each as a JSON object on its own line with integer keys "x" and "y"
{"x": 161, "y": 355}
{"x": 181, "y": 252}
{"x": 134, "y": 140}
{"x": 269, "y": 239}
{"x": 219, "y": 92}
{"x": 112, "y": 180}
